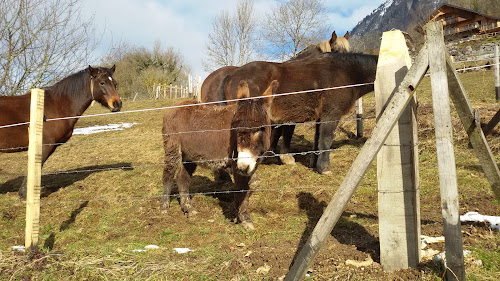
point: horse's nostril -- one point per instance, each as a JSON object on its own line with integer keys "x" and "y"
{"x": 117, "y": 105}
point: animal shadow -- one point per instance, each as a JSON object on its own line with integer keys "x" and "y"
{"x": 53, "y": 182}
{"x": 345, "y": 231}
{"x": 223, "y": 191}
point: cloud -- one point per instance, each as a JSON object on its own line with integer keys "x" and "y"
{"x": 185, "y": 24}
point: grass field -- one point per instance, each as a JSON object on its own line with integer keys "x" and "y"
{"x": 93, "y": 219}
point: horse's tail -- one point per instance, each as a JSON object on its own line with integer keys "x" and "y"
{"x": 222, "y": 97}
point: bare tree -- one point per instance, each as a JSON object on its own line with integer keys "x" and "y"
{"x": 292, "y": 26}
{"x": 139, "y": 69}
{"x": 232, "y": 40}
{"x": 41, "y": 41}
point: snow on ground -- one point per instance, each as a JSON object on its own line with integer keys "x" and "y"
{"x": 102, "y": 128}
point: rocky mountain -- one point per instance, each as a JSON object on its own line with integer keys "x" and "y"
{"x": 405, "y": 15}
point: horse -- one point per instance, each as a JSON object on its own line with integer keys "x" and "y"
{"x": 211, "y": 89}
{"x": 239, "y": 134}
{"x": 69, "y": 97}
{"x": 321, "y": 71}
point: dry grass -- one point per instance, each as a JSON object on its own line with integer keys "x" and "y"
{"x": 92, "y": 221}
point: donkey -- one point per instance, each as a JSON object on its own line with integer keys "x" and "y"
{"x": 237, "y": 135}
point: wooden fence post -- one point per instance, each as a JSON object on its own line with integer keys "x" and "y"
{"x": 358, "y": 169}
{"x": 34, "y": 169}
{"x": 397, "y": 163}
{"x": 446, "y": 156}
{"x": 473, "y": 128}
{"x": 359, "y": 117}
{"x": 497, "y": 75}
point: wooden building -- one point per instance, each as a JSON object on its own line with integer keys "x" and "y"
{"x": 459, "y": 22}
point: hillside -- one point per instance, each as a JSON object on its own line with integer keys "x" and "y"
{"x": 405, "y": 15}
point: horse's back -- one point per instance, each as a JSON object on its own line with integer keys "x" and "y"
{"x": 212, "y": 86}
{"x": 258, "y": 75}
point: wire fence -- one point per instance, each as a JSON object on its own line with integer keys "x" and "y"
{"x": 156, "y": 165}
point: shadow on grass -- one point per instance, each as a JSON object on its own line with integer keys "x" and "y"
{"x": 345, "y": 231}
{"x": 204, "y": 186}
{"x": 50, "y": 240}
{"x": 301, "y": 144}
{"x": 53, "y": 182}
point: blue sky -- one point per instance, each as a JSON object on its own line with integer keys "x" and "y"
{"x": 185, "y": 24}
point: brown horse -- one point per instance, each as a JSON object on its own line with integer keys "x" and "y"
{"x": 212, "y": 90}
{"x": 239, "y": 134}
{"x": 321, "y": 71}
{"x": 67, "y": 98}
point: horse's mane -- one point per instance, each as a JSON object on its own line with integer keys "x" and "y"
{"x": 342, "y": 45}
{"x": 72, "y": 85}
{"x": 348, "y": 58}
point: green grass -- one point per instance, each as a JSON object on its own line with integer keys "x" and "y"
{"x": 91, "y": 222}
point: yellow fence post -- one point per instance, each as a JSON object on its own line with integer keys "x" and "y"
{"x": 34, "y": 168}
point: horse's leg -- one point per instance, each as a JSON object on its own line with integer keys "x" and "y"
{"x": 323, "y": 141}
{"x": 183, "y": 179}
{"x": 242, "y": 201}
{"x": 287, "y": 139}
{"x": 275, "y": 137}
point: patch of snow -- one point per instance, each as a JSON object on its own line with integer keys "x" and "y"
{"x": 151, "y": 247}
{"x": 494, "y": 221}
{"x": 147, "y": 247}
{"x": 102, "y": 128}
{"x": 182, "y": 250}
{"x": 18, "y": 248}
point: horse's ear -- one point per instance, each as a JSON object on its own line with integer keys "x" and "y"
{"x": 113, "y": 68}
{"x": 271, "y": 90}
{"x": 334, "y": 37}
{"x": 346, "y": 36}
{"x": 243, "y": 91}
{"x": 93, "y": 71}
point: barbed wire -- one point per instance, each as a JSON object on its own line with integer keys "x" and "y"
{"x": 214, "y": 193}
{"x": 270, "y": 154}
{"x": 197, "y": 131}
{"x": 195, "y": 104}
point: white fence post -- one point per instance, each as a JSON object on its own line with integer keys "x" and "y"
{"x": 397, "y": 163}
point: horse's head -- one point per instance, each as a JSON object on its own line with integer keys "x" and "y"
{"x": 103, "y": 87}
{"x": 339, "y": 44}
{"x": 251, "y": 131}
{"x": 333, "y": 45}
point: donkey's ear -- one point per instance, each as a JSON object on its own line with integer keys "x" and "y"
{"x": 334, "y": 37}
{"x": 346, "y": 35}
{"x": 113, "y": 68}
{"x": 271, "y": 90}
{"x": 93, "y": 71}
{"x": 243, "y": 91}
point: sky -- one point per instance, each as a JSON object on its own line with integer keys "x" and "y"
{"x": 185, "y": 24}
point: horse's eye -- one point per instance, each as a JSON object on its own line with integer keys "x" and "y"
{"x": 102, "y": 83}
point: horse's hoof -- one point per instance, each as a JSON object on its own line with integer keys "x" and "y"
{"x": 287, "y": 159}
{"x": 248, "y": 225}
{"x": 164, "y": 205}
{"x": 191, "y": 214}
{"x": 326, "y": 172}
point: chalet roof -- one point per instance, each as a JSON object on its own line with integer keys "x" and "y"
{"x": 463, "y": 9}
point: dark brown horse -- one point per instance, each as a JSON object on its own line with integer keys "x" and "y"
{"x": 239, "y": 134}
{"x": 67, "y": 98}
{"x": 211, "y": 89}
{"x": 321, "y": 71}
